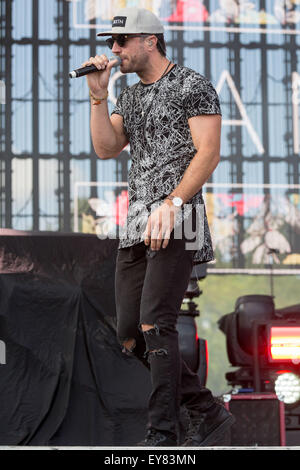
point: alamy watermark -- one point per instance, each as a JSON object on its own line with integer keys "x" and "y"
{"x": 188, "y": 224}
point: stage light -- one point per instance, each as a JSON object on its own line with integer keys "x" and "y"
{"x": 287, "y": 387}
{"x": 284, "y": 343}
{"x": 193, "y": 349}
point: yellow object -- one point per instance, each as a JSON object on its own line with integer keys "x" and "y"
{"x": 88, "y": 224}
{"x": 294, "y": 258}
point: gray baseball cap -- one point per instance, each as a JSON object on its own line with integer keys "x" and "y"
{"x": 134, "y": 21}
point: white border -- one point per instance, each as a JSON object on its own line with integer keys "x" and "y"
{"x": 191, "y": 28}
{"x": 252, "y": 185}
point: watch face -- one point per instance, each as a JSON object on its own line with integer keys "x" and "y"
{"x": 177, "y": 201}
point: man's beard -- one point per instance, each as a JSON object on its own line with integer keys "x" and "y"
{"x": 133, "y": 65}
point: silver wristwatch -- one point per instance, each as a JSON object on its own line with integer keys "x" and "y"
{"x": 176, "y": 200}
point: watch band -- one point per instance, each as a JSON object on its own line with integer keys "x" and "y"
{"x": 177, "y": 201}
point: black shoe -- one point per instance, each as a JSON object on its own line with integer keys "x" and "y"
{"x": 157, "y": 439}
{"x": 207, "y": 428}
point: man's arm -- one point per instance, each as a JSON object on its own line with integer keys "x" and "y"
{"x": 107, "y": 132}
{"x": 206, "y": 134}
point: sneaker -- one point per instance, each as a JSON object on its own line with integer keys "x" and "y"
{"x": 157, "y": 439}
{"x": 207, "y": 428}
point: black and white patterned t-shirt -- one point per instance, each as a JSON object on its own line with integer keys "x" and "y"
{"x": 155, "y": 119}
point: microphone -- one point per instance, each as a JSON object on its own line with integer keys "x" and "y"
{"x": 91, "y": 68}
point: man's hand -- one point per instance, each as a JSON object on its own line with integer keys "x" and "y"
{"x": 98, "y": 82}
{"x": 160, "y": 225}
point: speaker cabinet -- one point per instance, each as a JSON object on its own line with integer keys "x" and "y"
{"x": 260, "y": 419}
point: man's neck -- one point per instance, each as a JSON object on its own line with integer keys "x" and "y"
{"x": 155, "y": 71}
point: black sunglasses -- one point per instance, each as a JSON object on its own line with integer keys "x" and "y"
{"x": 121, "y": 39}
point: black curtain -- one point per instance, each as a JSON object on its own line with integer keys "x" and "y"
{"x": 64, "y": 380}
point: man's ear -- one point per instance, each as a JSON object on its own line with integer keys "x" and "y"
{"x": 151, "y": 41}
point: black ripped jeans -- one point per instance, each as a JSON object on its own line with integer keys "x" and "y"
{"x": 150, "y": 286}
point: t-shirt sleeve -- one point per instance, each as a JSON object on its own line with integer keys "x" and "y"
{"x": 201, "y": 98}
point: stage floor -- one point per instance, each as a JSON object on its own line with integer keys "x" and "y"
{"x": 160, "y": 449}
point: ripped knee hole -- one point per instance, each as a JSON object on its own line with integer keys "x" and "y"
{"x": 149, "y": 329}
{"x": 146, "y": 327}
{"x": 128, "y": 346}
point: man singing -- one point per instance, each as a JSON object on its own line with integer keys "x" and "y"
{"x": 172, "y": 120}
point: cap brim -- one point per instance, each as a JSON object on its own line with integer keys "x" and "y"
{"x": 122, "y": 31}
{"x": 106, "y": 33}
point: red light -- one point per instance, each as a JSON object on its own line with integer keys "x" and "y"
{"x": 285, "y": 343}
{"x": 206, "y": 352}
